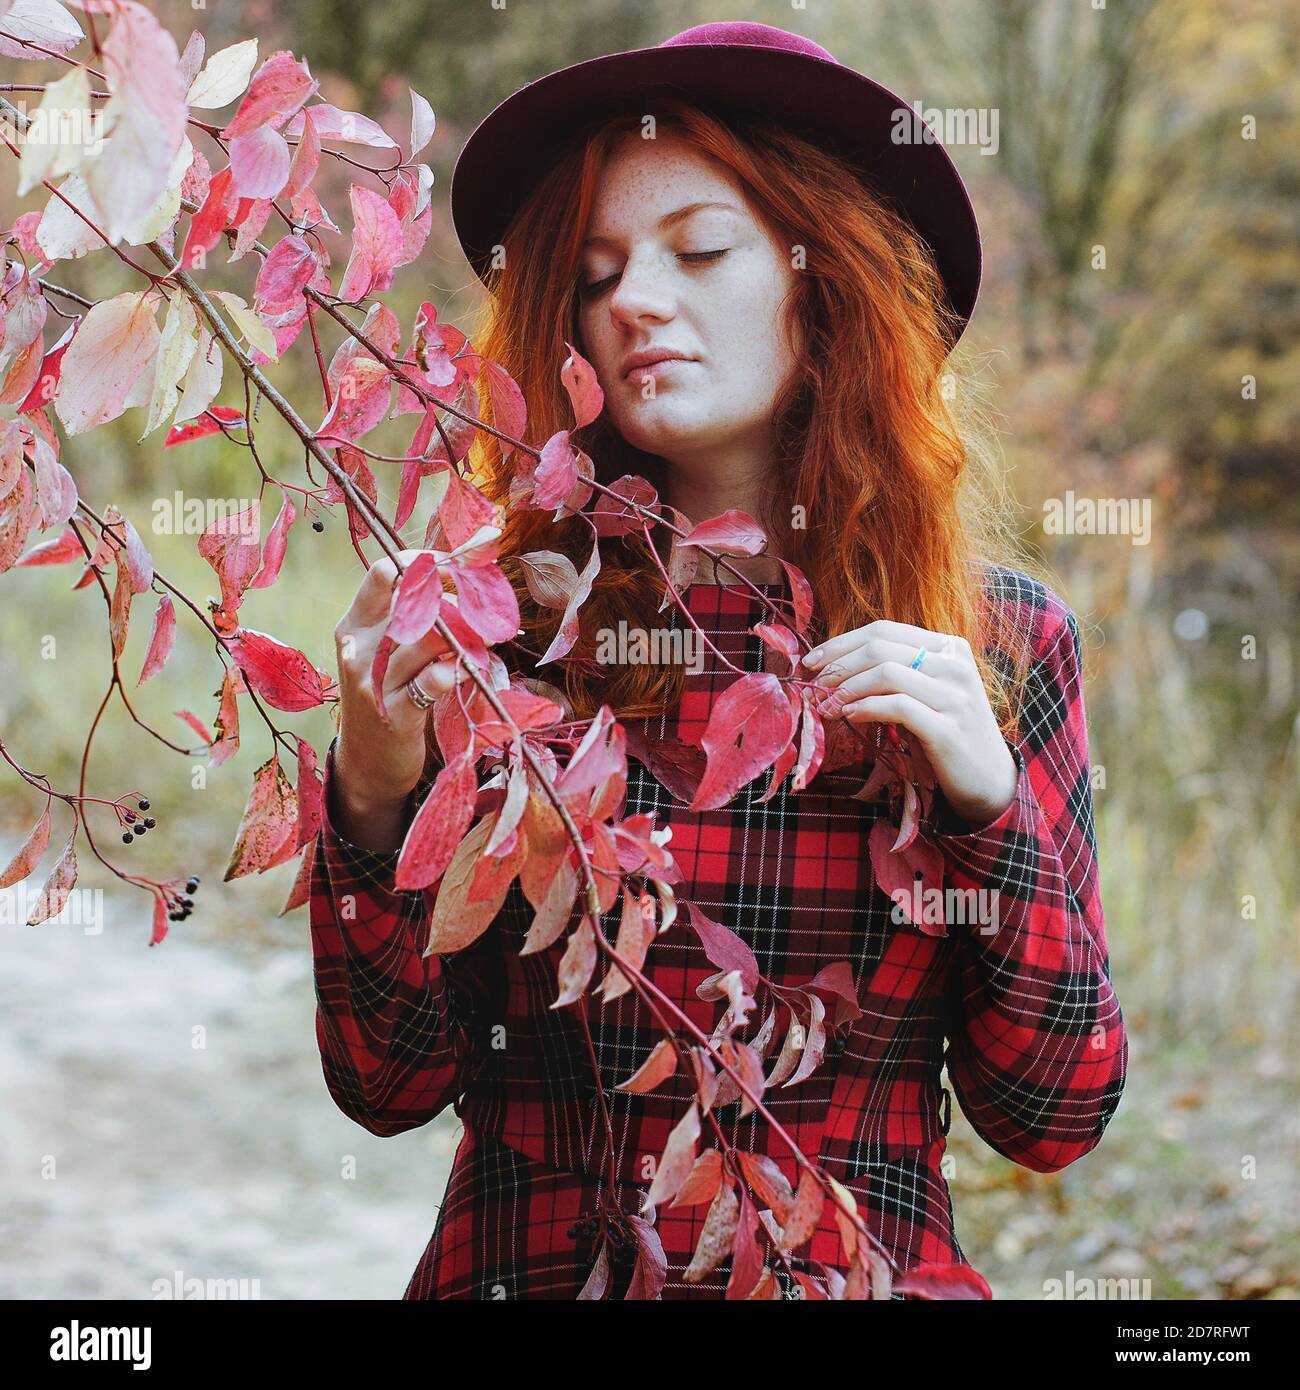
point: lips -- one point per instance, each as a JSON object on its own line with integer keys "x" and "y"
{"x": 643, "y": 361}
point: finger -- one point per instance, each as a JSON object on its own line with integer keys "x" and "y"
{"x": 862, "y": 658}
{"x": 899, "y": 708}
{"x": 374, "y": 596}
{"x": 438, "y": 677}
{"x": 881, "y": 628}
{"x": 891, "y": 677}
{"x": 412, "y": 657}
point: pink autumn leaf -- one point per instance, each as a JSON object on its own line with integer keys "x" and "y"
{"x": 117, "y": 339}
{"x": 279, "y": 87}
{"x": 259, "y": 163}
{"x": 146, "y": 116}
{"x": 284, "y": 275}
{"x": 18, "y": 513}
{"x": 376, "y": 245}
{"x": 487, "y": 600}
{"x": 195, "y": 723}
{"x": 61, "y": 550}
{"x": 943, "y": 1281}
{"x": 906, "y": 874}
{"x": 439, "y": 825}
{"x": 619, "y": 511}
{"x": 579, "y": 378}
{"x": 463, "y": 511}
{"x": 348, "y": 126}
{"x": 214, "y": 420}
{"x": 276, "y": 542}
{"x": 29, "y": 852}
{"x": 281, "y": 675}
{"x": 226, "y": 744}
{"x": 732, "y": 533}
{"x": 418, "y": 601}
{"x": 750, "y": 725}
{"x": 232, "y": 546}
{"x": 724, "y": 948}
{"x": 59, "y": 884}
{"x": 161, "y": 639}
{"x": 268, "y": 829}
{"x": 361, "y": 402}
{"x": 556, "y": 472}
{"x": 509, "y": 412}
{"x": 309, "y": 793}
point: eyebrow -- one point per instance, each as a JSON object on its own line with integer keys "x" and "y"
{"x": 671, "y": 219}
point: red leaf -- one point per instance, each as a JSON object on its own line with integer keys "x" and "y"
{"x": 268, "y": 830}
{"x": 210, "y": 422}
{"x": 678, "y": 1157}
{"x": 557, "y": 471}
{"x": 750, "y": 725}
{"x": 29, "y": 852}
{"x": 703, "y": 1181}
{"x": 195, "y": 723}
{"x": 906, "y": 874}
{"x": 309, "y": 789}
{"x": 276, "y": 541}
{"x": 579, "y": 378}
{"x": 419, "y": 597}
{"x": 281, "y": 675}
{"x": 439, "y": 825}
{"x": 733, "y": 533}
{"x": 486, "y": 600}
{"x": 724, "y": 948}
{"x": 509, "y": 412}
{"x": 651, "y": 1269}
{"x": 654, "y": 1071}
{"x": 232, "y": 546}
{"x": 161, "y": 639}
{"x": 747, "y": 1258}
{"x": 59, "y": 551}
{"x": 943, "y": 1281}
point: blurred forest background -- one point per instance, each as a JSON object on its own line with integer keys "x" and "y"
{"x": 1136, "y": 338}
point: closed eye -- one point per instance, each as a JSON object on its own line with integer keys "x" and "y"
{"x": 690, "y": 257}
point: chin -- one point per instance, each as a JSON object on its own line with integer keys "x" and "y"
{"x": 661, "y": 426}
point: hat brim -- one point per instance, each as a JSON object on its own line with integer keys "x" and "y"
{"x": 838, "y": 108}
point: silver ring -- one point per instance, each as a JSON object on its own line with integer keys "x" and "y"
{"x": 418, "y": 696}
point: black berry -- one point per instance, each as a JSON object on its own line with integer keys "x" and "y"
{"x": 318, "y": 525}
{"x": 149, "y": 822}
{"x": 127, "y": 838}
{"x": 144, "y": 803}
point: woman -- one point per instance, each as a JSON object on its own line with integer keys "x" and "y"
{"x": 770, "y": 322}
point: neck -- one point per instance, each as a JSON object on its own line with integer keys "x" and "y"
{"x": 712, "y": 481}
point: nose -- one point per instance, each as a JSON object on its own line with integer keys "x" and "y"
{"x": 642, "y": 293}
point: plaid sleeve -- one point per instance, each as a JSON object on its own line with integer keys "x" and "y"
{"x": 390, "y": 1023}
{"x": 1037, "y": 1051}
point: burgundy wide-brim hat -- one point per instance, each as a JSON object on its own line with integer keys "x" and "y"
{"x": 742, "y": 67}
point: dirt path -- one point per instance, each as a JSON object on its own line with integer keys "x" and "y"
{"x": 222, "y": 1161}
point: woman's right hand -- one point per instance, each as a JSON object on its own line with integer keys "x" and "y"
{"x": 377, "y": 763}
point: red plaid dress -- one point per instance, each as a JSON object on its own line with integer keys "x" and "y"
{"x": 1023, "y": 1017}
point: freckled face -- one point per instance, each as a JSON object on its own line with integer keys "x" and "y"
{"x": 706, "y": 284}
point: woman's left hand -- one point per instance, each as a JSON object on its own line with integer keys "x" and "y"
{"x": 942, "y": 703}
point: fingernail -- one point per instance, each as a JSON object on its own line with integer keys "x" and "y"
{"x": 813, "y": 657}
